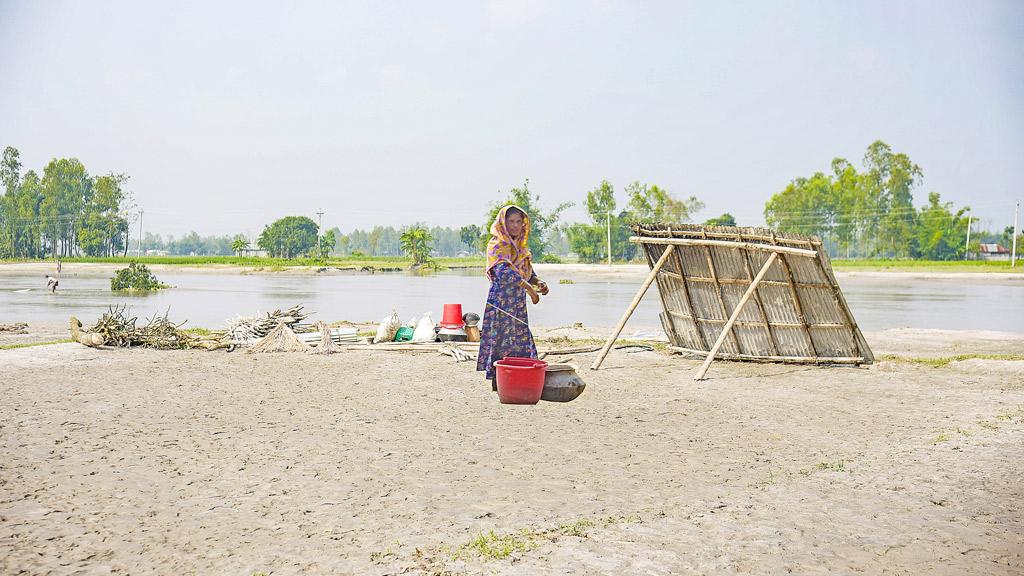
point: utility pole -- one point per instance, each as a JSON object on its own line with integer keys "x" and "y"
{"x": 609, "y": 237}
{"x": 320, "y": 232}
{"x": 141, "y": 211}
{"x": 1016, "y": 232}
{"x": 967, "y": 247}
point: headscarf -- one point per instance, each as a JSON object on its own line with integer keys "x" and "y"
{"x": 503, "y": 248}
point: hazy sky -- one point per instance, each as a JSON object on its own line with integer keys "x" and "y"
{"x": 227, "y": 115}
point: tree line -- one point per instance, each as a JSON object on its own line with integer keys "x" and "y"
{"x": 866, "y": 211}
{"x": 871, "y": 212}
{"x": 62, "y": 212}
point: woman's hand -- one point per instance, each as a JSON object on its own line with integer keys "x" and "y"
{"x": 533, "y": 293}
{"x": 542, "y": 287}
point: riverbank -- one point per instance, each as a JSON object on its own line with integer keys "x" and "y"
{"x": 386, "y": 462}
{"x": 549, "y": 271}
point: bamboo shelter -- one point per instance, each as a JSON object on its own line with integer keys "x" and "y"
{"x": 746, "y": 294}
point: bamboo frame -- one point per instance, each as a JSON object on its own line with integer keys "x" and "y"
{"x": 813, "y": 325}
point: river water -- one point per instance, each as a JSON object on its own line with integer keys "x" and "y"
{"x": 206, "y": 300}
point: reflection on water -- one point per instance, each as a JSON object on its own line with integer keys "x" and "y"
{"x": 208, "y": 299}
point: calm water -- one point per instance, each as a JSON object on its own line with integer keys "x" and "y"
{"x": 206, "y": 300}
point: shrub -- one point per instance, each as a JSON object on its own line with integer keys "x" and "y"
{"x": 135, "y": 277}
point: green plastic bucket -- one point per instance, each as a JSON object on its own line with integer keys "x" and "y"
{"x": 404, "y": 334}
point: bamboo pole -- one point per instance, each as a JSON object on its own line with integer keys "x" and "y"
{"x": 704, "y": 233}
{"x": 775, "y": 359}
{"x": 727, "y": 244}
{"x": 735, "y": 315}
{"x": 632, "y": 306}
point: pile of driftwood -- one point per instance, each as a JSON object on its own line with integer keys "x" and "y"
{"x": 16, "y": 328}
{"x": 117, "y": 328}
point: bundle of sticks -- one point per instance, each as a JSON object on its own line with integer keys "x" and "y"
{"x": 117, "y": 328}
{"x": 244, "y": 331}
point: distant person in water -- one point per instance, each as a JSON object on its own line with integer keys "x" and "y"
{"x": 505, "y": 330}
{"x": 51, "y": 283}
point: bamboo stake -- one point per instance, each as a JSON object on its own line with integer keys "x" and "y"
{"x": 632, "y": 306}
{"x": 735, "y": 314}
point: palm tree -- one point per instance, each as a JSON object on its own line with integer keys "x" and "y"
{"x": 239, "y": 244}
{"x": 416, "y": 243}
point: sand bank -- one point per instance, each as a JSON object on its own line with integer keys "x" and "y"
{"x": 137, "y": 461}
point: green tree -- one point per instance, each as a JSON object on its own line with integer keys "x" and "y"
{"x": 541, "y": 222}
{"x": 655, "y": 204}
{"x": 415, "y": 242}
{"x": 67, "y": 188}
{"x": 26, "y": 226}
{"x": 806, "y": 206}
{"x": 940, "y": 234}
{"x": 289, "y": 237}
{"x": 1006, "y": 239}
{"x": 103, "y": 230}
{"x": 10, "y": 177}
{"x": 470, "y": 236}
{"x": 239, "y": 244}
{"x": 723, "y": 220}
{"x": 327, "y": 244}
{"x": 890, "y": 179}
{"x": 587, "y": 241}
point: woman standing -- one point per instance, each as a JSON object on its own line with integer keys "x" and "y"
{"x": 505, "y": 330}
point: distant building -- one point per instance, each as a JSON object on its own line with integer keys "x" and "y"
{"x": 253, "y": 252}
{"x": 993, "y": 252}
{"x": 157, "y": 252}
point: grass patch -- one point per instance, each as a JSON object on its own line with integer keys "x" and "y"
{"x": 198, "y": 331}
{"x": 884, "y": 265}
{"x": 32, "y": 344}
{"x": 493, "y": 546}
{"x": 947, "y": 360}
{"x": 566, "y": 281}
{"x": 943, "y": 437}
{"x": 837, "y": 466}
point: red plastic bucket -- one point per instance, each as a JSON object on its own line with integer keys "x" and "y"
{"x": 520, "y": 380}
{"x": 452, "y": 317}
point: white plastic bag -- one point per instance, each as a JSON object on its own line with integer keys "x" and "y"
{"x": 424, "y": 330}
{"x": 387, "y": 329}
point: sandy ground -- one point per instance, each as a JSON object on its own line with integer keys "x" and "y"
{"x": 147, "y": 462}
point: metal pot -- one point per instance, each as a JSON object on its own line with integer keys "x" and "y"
{"x": 562, "y": 383}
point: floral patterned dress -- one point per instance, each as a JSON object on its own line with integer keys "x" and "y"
{"x": 505, "y": 330}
